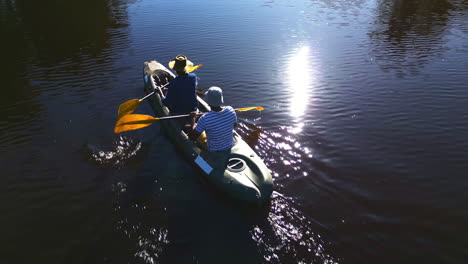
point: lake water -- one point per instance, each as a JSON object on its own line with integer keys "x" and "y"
{"x": 365, "y": 130}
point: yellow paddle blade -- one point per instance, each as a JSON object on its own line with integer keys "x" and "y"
{"x": 259, "y": 108}
{"x": 128, "y": 107}
{"x": 133, "y": 121}
{"x": 195, "y": 67}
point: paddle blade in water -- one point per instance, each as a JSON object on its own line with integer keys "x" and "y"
{"x": 133, "y": 121}
{"x": 259, "y": 108}
{"x": 128, "y": 107}
{"x": 200, "y": 94}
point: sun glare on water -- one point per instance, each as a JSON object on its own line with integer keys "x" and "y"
{"x": 300, "y": 80}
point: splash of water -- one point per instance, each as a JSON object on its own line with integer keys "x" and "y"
{"x": 124, "y": 149}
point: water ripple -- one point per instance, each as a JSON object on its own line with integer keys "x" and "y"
{"x": 289, "y": 235}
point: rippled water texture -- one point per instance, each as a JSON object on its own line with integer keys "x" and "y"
{"x": 364, "y": 129}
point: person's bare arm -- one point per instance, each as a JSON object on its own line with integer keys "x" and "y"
{"x": 192, "y": 133}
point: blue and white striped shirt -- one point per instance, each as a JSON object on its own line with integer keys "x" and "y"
{"x": 219, "y": 128}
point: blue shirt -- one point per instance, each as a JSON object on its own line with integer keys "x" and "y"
{"x": 181, "y": 96}
{"x": 219, "y": 128}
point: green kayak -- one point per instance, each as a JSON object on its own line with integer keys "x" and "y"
{"x": 239, "y": 173}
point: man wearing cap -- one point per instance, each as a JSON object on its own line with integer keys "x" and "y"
{"x": 181, "y": 96}
{"x": 218, "y": 124}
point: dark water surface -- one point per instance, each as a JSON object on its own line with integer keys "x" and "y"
{"x": 365, "y": 130}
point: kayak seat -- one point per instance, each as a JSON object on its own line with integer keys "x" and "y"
{"x": 161, "y": 77}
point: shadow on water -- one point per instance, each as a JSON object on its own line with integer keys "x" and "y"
{"x": 62, "y": 30}
{"x": 53, "y": 201}
{"x": 168, "y": 214}
{"x": 49, "y": 49}
{"x": 408, "y": 34}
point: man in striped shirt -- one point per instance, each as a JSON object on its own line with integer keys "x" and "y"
{"x": 218, "y": 124}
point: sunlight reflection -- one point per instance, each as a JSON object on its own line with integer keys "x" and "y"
{"x": 299, "y": 74}
{"x": 288, "y": 233}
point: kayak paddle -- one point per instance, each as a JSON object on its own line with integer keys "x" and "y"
{"x": 131, "y": 105}
{"x": 137, "y": 121}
